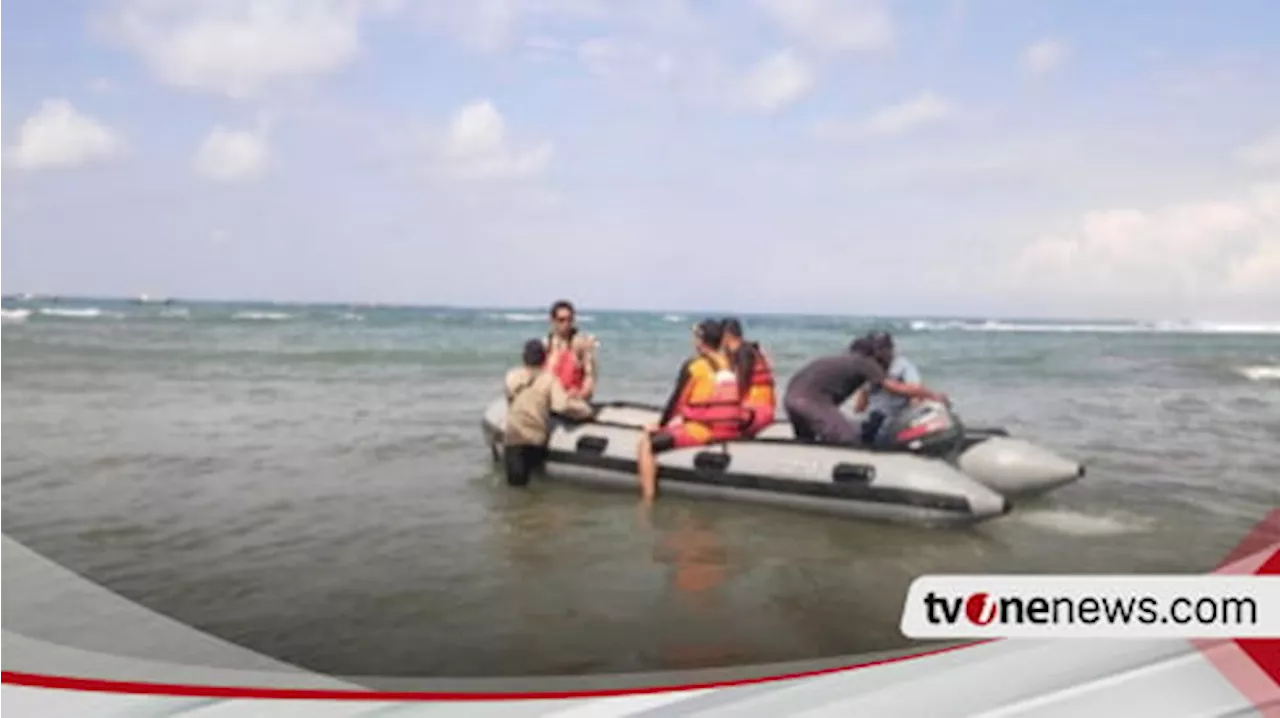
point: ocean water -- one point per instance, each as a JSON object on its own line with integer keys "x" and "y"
{"x": 310, "y": 481}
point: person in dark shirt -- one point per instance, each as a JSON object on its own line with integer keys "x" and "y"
{"x": 814, "y": 395}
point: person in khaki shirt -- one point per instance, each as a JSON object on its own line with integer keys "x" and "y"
{"x": 533, "y": 396}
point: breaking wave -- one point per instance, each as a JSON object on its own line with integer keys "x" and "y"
{"x": 1262, "y": 372}
{"x": 14, "y": 315}
{"x": 262, "y": 316}
{"x": 85, "y": 313}
{"x": 924, "y": 325}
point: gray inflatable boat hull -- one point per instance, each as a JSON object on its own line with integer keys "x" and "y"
{"x": 1010, "y": 466}
{"x": 770, "y": 469}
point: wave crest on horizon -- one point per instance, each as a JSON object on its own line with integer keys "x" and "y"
{"x": 992, "y": 325}
{"x": 262, "y": 316}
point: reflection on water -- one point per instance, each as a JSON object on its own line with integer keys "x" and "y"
{"x": 697, "y": 565}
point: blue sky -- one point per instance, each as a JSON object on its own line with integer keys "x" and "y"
{"x": 837, "y": 156}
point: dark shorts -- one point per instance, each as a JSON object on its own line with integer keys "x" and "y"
{"x": 871, "y": 427}
{"x": 679, "y": 437}
{"x": 819, "y": 421}
{"x": 521, "y": 461}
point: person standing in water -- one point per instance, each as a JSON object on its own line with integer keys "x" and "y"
{"x": 571, "y": 353}
{"x": 533, "y": 397}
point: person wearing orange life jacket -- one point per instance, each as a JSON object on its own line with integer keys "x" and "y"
{"x": 755, "y": 377}
{"x": 571, "y": 354}
{"x": 706, "y": 406}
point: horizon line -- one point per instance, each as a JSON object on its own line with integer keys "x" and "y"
{"x": 581, "y": 310}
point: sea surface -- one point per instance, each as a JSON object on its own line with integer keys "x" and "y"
{"x": 309, "y": 481}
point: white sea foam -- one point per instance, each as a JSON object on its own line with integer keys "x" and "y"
{"x": 85, "y": 313}
{"x": 518, "y": 317}
{"x": 1079, "y": 524}
{"x": 14, "y": 315}
{"x": 1261, "y": 372}
{"x": 526, "y": 317}
{"x": 991, "y": 325}
{"x": 176, "y": 312}
{"x": 351, "y": 317}
{"x": 1222, "y": 328}
{"x": 672, "y": 318}
{"x": 262, "y": 316}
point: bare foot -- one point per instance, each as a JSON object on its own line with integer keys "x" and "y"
{"x": 644, "y": 512}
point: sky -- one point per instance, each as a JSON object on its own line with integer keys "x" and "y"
{"x": 997, "y": 158}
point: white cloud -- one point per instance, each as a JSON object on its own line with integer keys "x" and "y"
{"x": 1224, "y": 249}
{"x": 492, "y": 25}
{"x": 57, "y": 135}
{"x": 477, "y": 146}
{"x": 1264, "y": 152}
{"x": 1045, "y": 56}
{"x": 776, "y": 81}
{"x": 239, "y": 48}
{"x": 623, "y": 58}
{"x": 103, "y": 86}
{"x": 546, "y": 44}
{"x": 834, "y": 25}
{"x": 924, "y": 109}
{"x": 232, "y": 155}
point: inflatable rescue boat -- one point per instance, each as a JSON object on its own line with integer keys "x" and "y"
{"x": 939, "y": 473}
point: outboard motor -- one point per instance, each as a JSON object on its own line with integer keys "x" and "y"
{"x": 928, "y": 428}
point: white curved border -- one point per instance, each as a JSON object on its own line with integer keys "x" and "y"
{"x": 1003, "y": 678}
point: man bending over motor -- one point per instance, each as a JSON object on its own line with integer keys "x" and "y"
{"x": 755, "y": 377}
{"x": 706, "y": 401}
{"x": 815, "y": 393}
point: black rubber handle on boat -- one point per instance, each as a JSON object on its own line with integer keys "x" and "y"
{"x": 712, "y": 461}
{"x": 853, "y": 473}
{"x": 592, "y": 445}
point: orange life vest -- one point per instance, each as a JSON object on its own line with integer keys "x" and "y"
{"x": 568, "y": 367}
{"x": 761, "y": 389}
{"x": 712, "y": 398}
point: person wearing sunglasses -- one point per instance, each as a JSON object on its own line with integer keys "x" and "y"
{"x": 571, "y": 353}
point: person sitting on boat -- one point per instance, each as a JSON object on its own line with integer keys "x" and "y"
{"x": 704, "y": 407}
{"x": 814, "y": 395}
{"x": 755, "y": 377}
{"x": 571, "y": 353}
{"x": 533, "y": 397}
{"x": 881, "y": 405}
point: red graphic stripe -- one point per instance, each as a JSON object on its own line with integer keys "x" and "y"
{"x": 1266, "y": 651}
{"x": 1264, "y": 535}
{"x": 1252, "y": 665}
{"x": 36, "y": 680}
